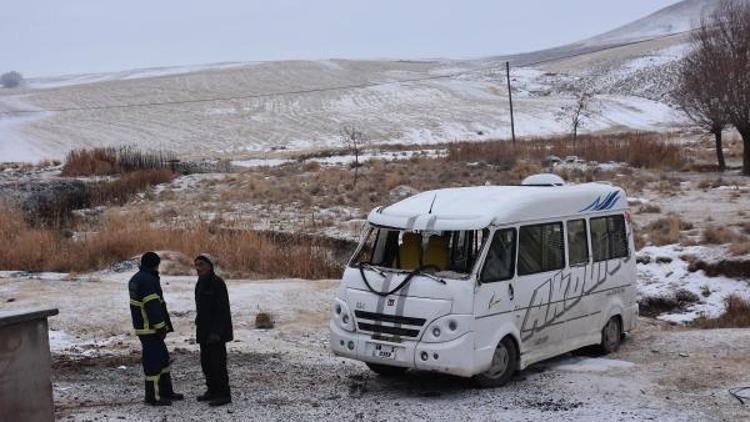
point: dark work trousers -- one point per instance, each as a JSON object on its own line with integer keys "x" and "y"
{"x": 156, "y": 367}
{"x": 214, "y": 365}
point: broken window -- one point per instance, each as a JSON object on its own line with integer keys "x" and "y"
{"x": 438, "y": 251}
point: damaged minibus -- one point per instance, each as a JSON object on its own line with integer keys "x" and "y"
{"x": 484, "y": 281}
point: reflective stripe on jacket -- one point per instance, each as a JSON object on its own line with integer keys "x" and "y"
{"x": 147, "y": 307}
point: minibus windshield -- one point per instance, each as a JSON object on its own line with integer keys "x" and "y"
{"x": 450, "y": 254}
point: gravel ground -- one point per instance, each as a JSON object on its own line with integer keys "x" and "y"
{"x": 661, "y": 373}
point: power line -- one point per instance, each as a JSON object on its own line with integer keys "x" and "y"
{"x": 328, "y": 89}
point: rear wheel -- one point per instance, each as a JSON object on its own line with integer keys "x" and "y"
{"x": 386, "y": 370}
{"x": 611, "y": 335}
{"x": 504, "y": 364}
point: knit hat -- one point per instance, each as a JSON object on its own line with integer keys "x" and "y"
{"x": 150, "y": 260}
{"x": 205, "y": 259}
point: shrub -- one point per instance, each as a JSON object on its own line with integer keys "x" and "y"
{"x": 719, "y": 235}
{"x": 111, "y": 161}
{"x": 636, "y": 149}
{"x": 736, "y": 315}
{"x": 11, "y": 79}
{"x": 656, "y": 305}
{"x": 666, "y": 230}
{"x": 121, "y": 237}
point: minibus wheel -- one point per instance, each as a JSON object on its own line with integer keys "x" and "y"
{"x": 611, "y": 335}
{"x": 386, "y": 370}
{"x": 504, "y": 364}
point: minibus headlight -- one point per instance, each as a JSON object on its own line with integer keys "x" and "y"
{"x": 448, "y": 328}
{"x": 342, "y": 317}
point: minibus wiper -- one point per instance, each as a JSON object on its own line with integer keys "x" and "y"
{"x": 372, "y": 268}
{"x": 402, "y": 284}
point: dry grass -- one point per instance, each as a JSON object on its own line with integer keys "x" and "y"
{"x": 719, "y": 235}
{"x": 739, "y": 249}
{"x": 656, "y": 305}
{"x": 109, "y": 161}
{"x": 333, "y": 186}
{"x": 733, "y": 268}
{"x": 666, "y": 230}
{"x": 55, "y": 210}
{"x": 649, "y": 209}
{"x": 121, "y": 190}
{"x": 638, "y": 150}
{"x": 736, "y": 315}
{"x": 120, "y": 237}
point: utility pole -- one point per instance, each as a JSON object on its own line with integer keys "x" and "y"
{"x": 510, "y": 99}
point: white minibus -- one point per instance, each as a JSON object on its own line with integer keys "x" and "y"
{"x": 484, "y": 281}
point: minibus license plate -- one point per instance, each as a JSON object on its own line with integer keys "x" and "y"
{"x": 384, "y": 351}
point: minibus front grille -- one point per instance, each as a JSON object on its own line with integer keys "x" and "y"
{"x": 390, "y": 318}
{"x": 397, "y": 331}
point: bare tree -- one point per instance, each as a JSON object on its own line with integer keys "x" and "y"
{"x": 701, "y": 92}
{"x": 577, "y": 114}
{"x": 353, "y": 139}
{"x": 724, "y": 43}
{"x": 11, "y": 79}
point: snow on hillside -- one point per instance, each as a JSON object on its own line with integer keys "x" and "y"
{"x": 302, "y": 105}
{"x": 679, "y": 17}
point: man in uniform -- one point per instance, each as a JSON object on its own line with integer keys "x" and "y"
{"x": 151, "y": 323}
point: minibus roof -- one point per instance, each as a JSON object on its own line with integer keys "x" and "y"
{"x": 474, "y": 208}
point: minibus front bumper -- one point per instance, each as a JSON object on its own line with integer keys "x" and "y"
{"x": 455, "y": 357}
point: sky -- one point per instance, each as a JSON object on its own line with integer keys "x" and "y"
{"x": 52, "y": 37}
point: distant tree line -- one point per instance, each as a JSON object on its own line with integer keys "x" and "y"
{"x": 714, "y": 84}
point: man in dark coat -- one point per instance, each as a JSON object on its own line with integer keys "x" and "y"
{"x": 151, "y": 323}
{"x": 213, "y": 330}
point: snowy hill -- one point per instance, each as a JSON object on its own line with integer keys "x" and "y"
{"x": 242, "y": 110}
{"x": 679, "y": 17}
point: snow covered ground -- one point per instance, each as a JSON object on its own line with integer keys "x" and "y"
{"x": 667, "y": 273}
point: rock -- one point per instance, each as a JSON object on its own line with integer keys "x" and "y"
{"x": 663, "y": 260}
{"x": 643, "y": 259}
{"x": 403, "y": 191}
{"x": 552, "y": 160}
{"x": 263, "y": 321}
{"x": 11, "y": 299}
{"x": 683, "y": 355}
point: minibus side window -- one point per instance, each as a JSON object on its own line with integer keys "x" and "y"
{"x": 501, "y": 257}
{"x": 608, "y": 238}
{"x": 578, "y": 243}
{"x": 540, "y": 248}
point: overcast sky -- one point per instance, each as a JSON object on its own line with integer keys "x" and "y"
{"x": 48, "y": 37}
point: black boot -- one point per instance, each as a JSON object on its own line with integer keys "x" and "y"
{"x": 151, "y": 396}
{"x": 165, "y": 386}
{"x": 220, "y": 401}
{"x": 207, "y": 396}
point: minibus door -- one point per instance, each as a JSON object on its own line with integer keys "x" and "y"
{"x": 494, "y": 302}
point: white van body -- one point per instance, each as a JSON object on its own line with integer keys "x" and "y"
{"x": 541, "y": 291}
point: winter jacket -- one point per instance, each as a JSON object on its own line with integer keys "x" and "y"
{"x": 212, "y": 306}
{"x": 147, "y": 307}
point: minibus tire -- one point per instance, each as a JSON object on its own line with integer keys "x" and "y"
{"x": 611, "y": 335}
{"x": 386, "y": 370}
{"x": 507, "y": 350}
